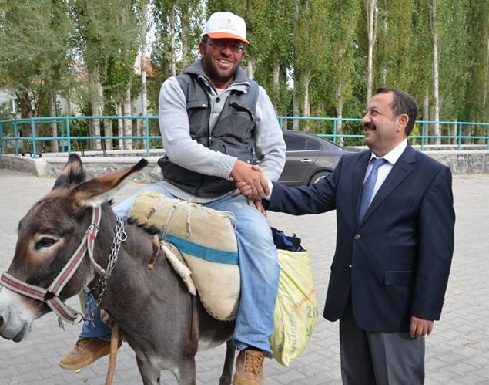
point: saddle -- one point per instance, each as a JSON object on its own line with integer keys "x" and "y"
{"x": 200, "y": 244}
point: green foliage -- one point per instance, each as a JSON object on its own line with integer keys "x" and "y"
{"x": 454, "y": 58}
{"x": 314, "y": 45}
{"x": 178, "y": 24}
{"x": 475, "y": 106}
{"x": 395, "y": 48}
{"x": 107, "y": 53}
{"x": 6, "y": 111}
{"x": 35, "y": 49}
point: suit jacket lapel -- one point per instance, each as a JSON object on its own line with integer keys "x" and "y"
{"x": 403, "y": 167}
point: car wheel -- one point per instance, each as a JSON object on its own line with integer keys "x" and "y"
{"x": 318, "y": 176}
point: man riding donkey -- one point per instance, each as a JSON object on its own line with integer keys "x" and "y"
{"x": 214, "y": 121}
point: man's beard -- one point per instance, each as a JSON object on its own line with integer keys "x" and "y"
{"x": 213, "y": 74}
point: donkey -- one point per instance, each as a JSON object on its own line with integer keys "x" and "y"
{"x": 67, "y": 241}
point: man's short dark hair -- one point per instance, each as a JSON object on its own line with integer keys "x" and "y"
{"x": 403, "y": 103}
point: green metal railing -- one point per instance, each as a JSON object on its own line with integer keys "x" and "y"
{"x": 19, "y": 136}
{"x": 33, "y": 133}
{"x": 466, "y": 134}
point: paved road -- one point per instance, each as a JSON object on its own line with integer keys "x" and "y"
{"x": 457, "y": 352}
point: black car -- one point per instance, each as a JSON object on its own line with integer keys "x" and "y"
{"x": 309, "y": 158}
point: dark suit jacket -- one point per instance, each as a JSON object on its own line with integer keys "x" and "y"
{"x": 396, "y": 262}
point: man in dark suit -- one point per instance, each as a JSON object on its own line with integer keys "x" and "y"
{"x": 391, "y": 266}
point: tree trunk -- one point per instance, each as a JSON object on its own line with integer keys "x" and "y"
{"x": 426, "y": 114}
{"x": 339, "y": 114}
{"x": 54, "y": 125}
{"x": 120, "y": 126}
{"x": 108, "y": 133}
{"x": 276, "y": 83}
{"x": 486, "y": 80}
{"x": 436, "y": 86}
{"x": 306, "y": 106}
{"x": 295, "y": 107}
{"x": 184, "y": 35}
{"x": 26, "y": 103}
{"x": 295, "y": 102}
{"x": 453, "y": 139}
{"x": 96, "y": 96}
{"x": 371, "y": 8}
{"x": 385, "y": 70}
{"x": 144, "y": 92}
{"x": 250, "y": 67}
{"x": 173, "y": 44}
{"x": 127, "y": 122}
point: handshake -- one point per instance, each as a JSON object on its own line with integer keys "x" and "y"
{"x": 250, "y": 181}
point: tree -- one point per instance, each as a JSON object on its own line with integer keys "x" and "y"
{"x": 395, "y": 44}
{"x": 35, "y": 55}
{"x": 309, "y": 38}
{"x": 476, "y": 103}
{"x": 313, "y": 57}
{"x": 340, "y": 32}
{"x": 97, "y": 44}
{"x": 179, "y": 26}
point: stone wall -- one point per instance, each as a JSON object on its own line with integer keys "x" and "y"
{"x": 93, "y": 166}
{"x": 463, "y": 162}
{"x": 460, "y": 162}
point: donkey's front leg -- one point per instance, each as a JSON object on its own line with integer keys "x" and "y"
{"x": 149, "y": 374}
{"x": 186, "y": 373}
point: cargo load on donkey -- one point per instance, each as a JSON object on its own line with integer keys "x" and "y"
{"x": 205, "y": 243}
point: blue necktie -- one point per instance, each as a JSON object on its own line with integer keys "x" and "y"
{"x": 368, "y": 186}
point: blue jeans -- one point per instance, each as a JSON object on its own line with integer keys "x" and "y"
{"x": 93, "y": 325}
{"x": 259, "y": 270}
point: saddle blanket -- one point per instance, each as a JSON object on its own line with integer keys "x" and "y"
{"x": 206, "y": 240}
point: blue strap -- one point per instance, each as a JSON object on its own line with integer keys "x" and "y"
{"x": 207, "y": 253}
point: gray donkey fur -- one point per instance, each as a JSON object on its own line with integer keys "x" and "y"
{"x": 159, "y": 319}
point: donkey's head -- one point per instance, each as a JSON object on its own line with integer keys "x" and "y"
{"x": 50, "y": 235}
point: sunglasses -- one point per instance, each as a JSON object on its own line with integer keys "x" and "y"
{"x": 234, "y": 46}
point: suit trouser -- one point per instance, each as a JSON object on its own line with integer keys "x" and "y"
{"x": 379, "y": 358}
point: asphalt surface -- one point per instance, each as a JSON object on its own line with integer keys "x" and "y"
{"x": 457, "y": 353}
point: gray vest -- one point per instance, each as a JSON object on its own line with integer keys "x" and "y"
{"x": 233, "y": 134}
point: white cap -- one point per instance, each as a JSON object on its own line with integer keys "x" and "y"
{"x": 226, "y": 25}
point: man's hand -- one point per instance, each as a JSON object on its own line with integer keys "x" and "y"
{"x": 420, "y": 327}
{"x": 252, "y": 180}
{"x": 244, "y": 189}
{"x": 259, "y": 205}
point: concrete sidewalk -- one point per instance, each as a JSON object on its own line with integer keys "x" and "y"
{"x": 457, "y": 351}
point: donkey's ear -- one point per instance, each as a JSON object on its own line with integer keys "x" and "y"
{"x": 72, "y": 173}
{"x": 103, "y": 183}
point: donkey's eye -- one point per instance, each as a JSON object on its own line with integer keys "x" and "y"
{"x": 45, "y": 242}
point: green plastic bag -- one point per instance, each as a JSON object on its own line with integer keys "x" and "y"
{"x": 296, "y": 310}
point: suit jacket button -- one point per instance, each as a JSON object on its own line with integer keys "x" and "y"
{"x": 349, "y": 266}
{"x": 357, "y": 236}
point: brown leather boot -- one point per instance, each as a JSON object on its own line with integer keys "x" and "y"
{"x": 85, "y": 352}
{"x": 249, "y": 368}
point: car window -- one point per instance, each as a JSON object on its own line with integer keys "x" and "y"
{"x": 313, "y": 144}
{"x": 295, "y": 143}
{"x": 304, "y": 142}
